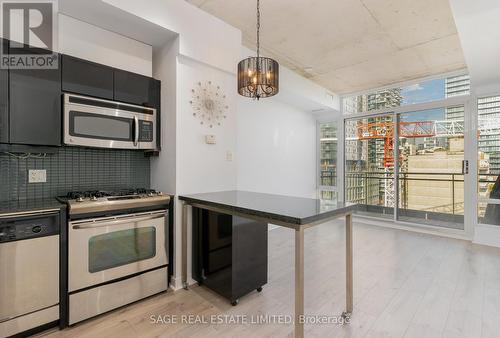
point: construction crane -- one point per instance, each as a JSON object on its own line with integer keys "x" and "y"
{"x": 385, "y": 130}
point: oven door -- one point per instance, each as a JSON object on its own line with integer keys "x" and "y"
{"x": 108, "y": 248}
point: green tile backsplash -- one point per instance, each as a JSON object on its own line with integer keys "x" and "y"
{"x": 73, "y": 169}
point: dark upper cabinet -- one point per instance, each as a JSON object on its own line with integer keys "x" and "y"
{"x": 135, "y": 88}
{"x": 4, "y": 103}
{"x": 86, "y": 78}
{"x": 35, "y": 106}
{"x": 157, "y": 103}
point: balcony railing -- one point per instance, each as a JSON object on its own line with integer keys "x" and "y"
{"x": 429, "y": 196}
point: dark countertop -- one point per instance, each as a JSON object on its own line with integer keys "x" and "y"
{"x": 292, "y": 210}
{"x": 8, "y": 207}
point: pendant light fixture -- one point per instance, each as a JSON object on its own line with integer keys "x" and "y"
{"x": 258, "y": 76}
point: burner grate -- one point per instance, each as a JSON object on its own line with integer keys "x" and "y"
{"x": 78, "y": 195}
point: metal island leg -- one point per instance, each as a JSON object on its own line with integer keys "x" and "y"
{"x": 184, "y": 244}
{"x": 299, "y": 282}
{"x": 349, "y": 273}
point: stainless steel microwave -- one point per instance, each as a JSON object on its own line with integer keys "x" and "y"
{"x": 100, "y": 123}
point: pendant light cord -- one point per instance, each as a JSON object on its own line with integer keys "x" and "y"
{"x": 258, "y": 28}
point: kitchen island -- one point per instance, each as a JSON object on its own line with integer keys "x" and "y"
{"x": 295, "y": 213}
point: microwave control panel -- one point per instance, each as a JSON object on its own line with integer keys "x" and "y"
{"x": 145, "y": 131}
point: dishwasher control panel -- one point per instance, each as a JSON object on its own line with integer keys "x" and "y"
{"x": 25, "y": 227}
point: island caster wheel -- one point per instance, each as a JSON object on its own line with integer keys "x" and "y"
{"x": 346, "y": 316}
{"x": 259, "y": 289}
{"x": 235, "y": 302}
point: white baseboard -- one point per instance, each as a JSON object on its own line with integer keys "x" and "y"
{"x": 414, "y": 227}
{"x": 487, "y": 235}
{"x": 176, "y": 283}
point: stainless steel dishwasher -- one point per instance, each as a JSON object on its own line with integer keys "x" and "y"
{"x": 29, "y": 270}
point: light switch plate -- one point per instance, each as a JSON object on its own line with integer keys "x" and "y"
{"x": 37, "y": 176}
{"x": 229, "y": 156}
{"x": 210, "y": 139}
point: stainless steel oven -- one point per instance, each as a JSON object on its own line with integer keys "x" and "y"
{"x": 117, "y": 249}
{"x": 100, "y": 123}
{"x": 108, "y": 248}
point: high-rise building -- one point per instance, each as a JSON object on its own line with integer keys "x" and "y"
{"x": 488, "y": 109}
{"x": 364, "y": 159}
{"x": 384, "y": 99}
{"x": 456, "y": 86}
{"x": 328, "y": 153}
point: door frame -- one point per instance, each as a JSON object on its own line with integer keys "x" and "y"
{"x": 470, "y": 154}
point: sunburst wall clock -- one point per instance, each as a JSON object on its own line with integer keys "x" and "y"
{"x": 209, "y": 103}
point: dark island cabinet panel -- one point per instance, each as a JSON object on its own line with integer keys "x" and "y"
{"x": 4, "y": 106}
{"x": 87, "y": 78}
{"x": 4, "y": 100}
{"x": 229, "y": 253}
{"x": 136, "y": 89}
{"x": 35, "y": 106}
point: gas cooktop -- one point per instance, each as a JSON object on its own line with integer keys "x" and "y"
{"x": 92, "y": 201}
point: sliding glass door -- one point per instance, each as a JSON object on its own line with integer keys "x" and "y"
{"x": 368, "y": 167}
{"x": 409, "y": 154}
{"x": 408, "y": 166}
{"x": 430, "y": 173}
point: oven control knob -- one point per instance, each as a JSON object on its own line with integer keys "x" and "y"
{"x": 159, "y": 193}
{"x": 93, "y": 198}
{"x": 36, "y": 229}
{"x": 150, "y": 194}
{"x": 79, "y": 199}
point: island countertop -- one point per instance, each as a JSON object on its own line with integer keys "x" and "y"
{"x": 279, "y": 208}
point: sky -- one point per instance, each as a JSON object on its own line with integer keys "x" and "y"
{"x": 426, "y": 91}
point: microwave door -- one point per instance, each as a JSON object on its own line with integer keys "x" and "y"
{"x": 101, "y": 123}
{"x": 97, "y": 129}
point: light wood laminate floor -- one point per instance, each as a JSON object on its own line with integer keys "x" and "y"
{"x": 405, "y": 285}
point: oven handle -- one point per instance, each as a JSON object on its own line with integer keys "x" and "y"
{"x": 136, "y": 126}
{"x": 105, "y": 223}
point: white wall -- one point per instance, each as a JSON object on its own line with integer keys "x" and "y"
{"x": 80, "y": 39}
{"x": 479, "y": 32}
{"x": 203, "y": 167}
{"x": 204, "y": 37}
{"x": 276, "y": 148}
{"x": 164, "y": 167}
{"x": 277, "y": 136}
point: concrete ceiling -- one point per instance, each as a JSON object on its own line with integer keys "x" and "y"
{"x": 350, "y": 45}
